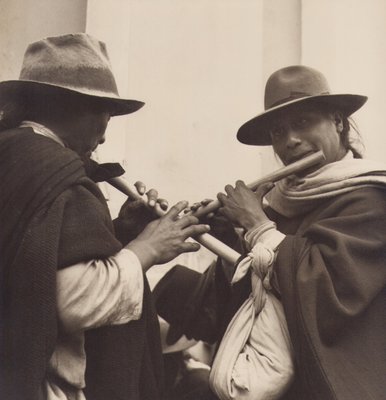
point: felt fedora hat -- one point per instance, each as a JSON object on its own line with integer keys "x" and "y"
{"x": 287, "y": 88}
{"x": 76, "y": 63}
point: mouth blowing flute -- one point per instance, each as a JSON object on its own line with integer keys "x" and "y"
{"x": 275, "y": 176}
{"x": 208, "y": 241}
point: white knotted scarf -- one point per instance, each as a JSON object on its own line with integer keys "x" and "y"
{"x": 294, "y": 196}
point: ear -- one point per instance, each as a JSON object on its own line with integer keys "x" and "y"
{"x": 338, "y": 120}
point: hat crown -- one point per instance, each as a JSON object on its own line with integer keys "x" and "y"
{"x": 293, "y": 83}
{"x": 296, "y": 85}
{"x": 75, "y": 61}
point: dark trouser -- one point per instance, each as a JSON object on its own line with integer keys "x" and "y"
{"x": 193, "y": 386}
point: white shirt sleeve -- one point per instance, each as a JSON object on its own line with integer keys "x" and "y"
{"x": 100, "y": 292}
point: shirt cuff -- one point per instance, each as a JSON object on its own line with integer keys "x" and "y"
{"x": 266, "y": 234}
{"x": 272, "y": 238}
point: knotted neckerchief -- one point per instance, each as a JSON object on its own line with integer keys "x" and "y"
{"x": 294, "y": 195}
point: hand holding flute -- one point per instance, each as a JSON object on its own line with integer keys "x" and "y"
{"x": 208, "y": 241}
{"x": 165, "y": 238}
{"x": 155, "y": 240}
{"x": 296, "y": 167}
{"x": 243, "y": 207}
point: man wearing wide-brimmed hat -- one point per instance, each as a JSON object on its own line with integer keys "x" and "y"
{"x": 322, "y": 234}
{"x": 76, "y": 317}
{"x": 327, "y": 227}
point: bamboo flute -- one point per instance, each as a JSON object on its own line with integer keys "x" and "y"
{"x": 208, "y": 241}
{"x": 274, "y": 176}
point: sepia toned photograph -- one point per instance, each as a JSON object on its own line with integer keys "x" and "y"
{"x": 192, "y": 200}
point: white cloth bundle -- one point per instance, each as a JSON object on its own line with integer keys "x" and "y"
{"x": 254, "y": 359}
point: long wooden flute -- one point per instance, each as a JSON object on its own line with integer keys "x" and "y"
{"x": 275, "y": 176}
{"x": 208, "y": 241}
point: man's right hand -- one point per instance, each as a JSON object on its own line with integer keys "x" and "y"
{"x": 220, "y": 227}
{"x": 164, "y": 239}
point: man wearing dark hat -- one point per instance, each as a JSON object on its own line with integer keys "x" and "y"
{"x": 76, "y": 317}
{"x": 326, "y": 230}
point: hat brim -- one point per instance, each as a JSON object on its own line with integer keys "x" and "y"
{"x": 116, "y": 105}
{"x": 256, "y": 132}
{"x": 179, "y": 296}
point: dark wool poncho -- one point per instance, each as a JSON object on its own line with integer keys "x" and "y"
{"x": 330, "y": 274}
{"x": 53, "y": 216}
{"x": 331, "y": 271}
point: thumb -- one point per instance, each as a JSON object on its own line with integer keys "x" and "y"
{"x": 263, "y": 189}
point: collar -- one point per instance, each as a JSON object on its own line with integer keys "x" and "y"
{"x": 42, "y": 130}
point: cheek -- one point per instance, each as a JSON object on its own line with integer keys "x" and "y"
{"x": 103, "y": 122}
{"x": 279, "y": 150}
{"x": 331, "y": 145}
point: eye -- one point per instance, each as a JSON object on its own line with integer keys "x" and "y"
{"x": 300, "y": 122}
{"x": 276, "y": 132}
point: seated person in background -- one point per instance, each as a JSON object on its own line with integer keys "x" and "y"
{"x": 326, "y": 230}
{"x": 77, "y": 319}
{"x": 186, "y": 362}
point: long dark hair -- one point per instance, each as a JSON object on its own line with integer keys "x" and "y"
{"x": 351, "y": 138}
{"x": 350, "y": 135}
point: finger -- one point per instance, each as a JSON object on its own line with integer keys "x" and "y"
{"x": 241, "y": 185}
{"x": 224, "y": 199}
{"x": 176, "y": 209}
{"x": 158, "y": 210}
{"x": 229, "y": 189}
{"x": 195, "y": 206}
{"x": 163, "y": 204}
{"x": 186, "y": 221}
{"x": 205, "y": 202}
{"x": 141, "y": 187}
{"x": 152, "y": 196}
{"x": 188, "y": 247}
{"x": 221, "y": 197}
{"x": 243, "y": 189}
{"x": 195, "y": 230}
{"x": 263, "y": 189}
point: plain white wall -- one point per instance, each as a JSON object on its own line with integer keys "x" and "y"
{"x": 200, "y": 66}
{"x": 193, "y": 63}
{"x": 346, "y": 40}
{"x": 25, "y": 21}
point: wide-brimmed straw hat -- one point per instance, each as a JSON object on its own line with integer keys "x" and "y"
{"x": 288, "y": 87}
{"x": 75, "y": 63}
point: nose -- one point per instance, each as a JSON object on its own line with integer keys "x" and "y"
{"x": 293, "y": 139}
{"x": 102, "y": 140}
